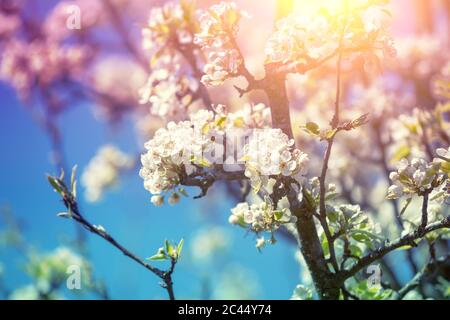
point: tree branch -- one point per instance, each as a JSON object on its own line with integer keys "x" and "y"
{"x": 204, "y": 180}
{"x": 74, "y": 213}
{"x": 381, "y": 252}
{"x": 424, "y": 220}
{"x": 322, "y": 179}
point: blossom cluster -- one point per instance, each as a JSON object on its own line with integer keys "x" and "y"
{"x": 408, "y": 131}
{"x": 103, "y": 171}
{"x": 380, "y": 100}
{"x": 169, "y": 92}
{"x": 210, "y": 242}
{"x": 49, "y": 272}
{"x": 169, "y": 33}
{"x": 169, "y": 23}
{"x": 23, "y": 64}
{"x": 259, "y": 218}
{"x": 300, "y": 39}
{"x": 55, "y": 24}
{"x": 180, "y": 148}
{"x": 415, "y": 177}
{"x": 420, "y": 56}
{"x": 355, "y": 27}
{"x": 354, "y": 229}
{"x": 170, "y": 152}
{"x": 218, "y": 30}
{"x": 270, "y": 152}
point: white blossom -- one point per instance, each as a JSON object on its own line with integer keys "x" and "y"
{"x": 308, "y": 39}
{"x": 168, "y": 91}
{"x": 259, "y": 218}
{"x": 180, "y": 148}
{"x": 50, "y": 270}
{"x": 157, "y": 200}
{"x": 270, "y": 152}
{"x": 218, "y": 29}
{"x": 419, "y": 56}
{"x": 413, "y": 177}
{"x": 167, "y": 23}
{"x": 299, "y": 38}
{"x": 260, "y": 243}
{"x": 103, "y": 171}
{"x": 210, "y": 242}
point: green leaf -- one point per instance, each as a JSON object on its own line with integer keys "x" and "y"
{"x": 278, "y": 214}
{"x": 332, "y": 214}
{"x": 330, "y": 133}
{"x": 221, "y": 122}
{"x": 402, "y": 152}
{"x": 180, "y": 247}
{"x": 56, "y": 184}
{"x": 407, "y": 247}
{"x": 158, "y": 257}
{"x": 366, "y": 237}
{"x": 73, "y": 176}
{"x": 355, "y": 250}
{"x": 183, "y": 192}
{"x": 167, "y": 246}
{"x": 325, "y": 246}
{"x": 309, "y": 199}
{"x": 445, "y": 167}
{"x": 312, "y": 128}
{"x": 361, "y": 237}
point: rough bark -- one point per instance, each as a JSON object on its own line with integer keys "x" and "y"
{"x": 310, "y": 245}
{"x": 314, "y": 257}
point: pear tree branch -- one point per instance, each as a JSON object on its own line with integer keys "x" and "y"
{"x": 70, "y": 202}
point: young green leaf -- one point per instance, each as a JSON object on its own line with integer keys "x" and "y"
{"x": 55, "y": 184}
{"x": 312, "y": 128}
{"x": 180, "y": 247}
{"x": 73, "y": 176}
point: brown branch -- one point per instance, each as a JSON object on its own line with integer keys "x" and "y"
{"x": 424, "y": 220}
{"x": 381, "y": 252}
{"x": 312, "y": 250}
{"x": 205, "y": 180}
{"x": 188, "y": 53}
{"x": 72, "y": 206}
{"x": 322, "y": 178}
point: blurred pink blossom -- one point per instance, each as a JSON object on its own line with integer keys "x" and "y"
{"x": 39, "y": 62}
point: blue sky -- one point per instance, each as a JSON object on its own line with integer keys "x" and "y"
{"x": 125, "y": 212}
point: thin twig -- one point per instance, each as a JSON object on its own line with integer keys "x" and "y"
{"x": 166, "y": 276}
{"x": 407, "y": 239}
{"x": 322, "y": 179}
